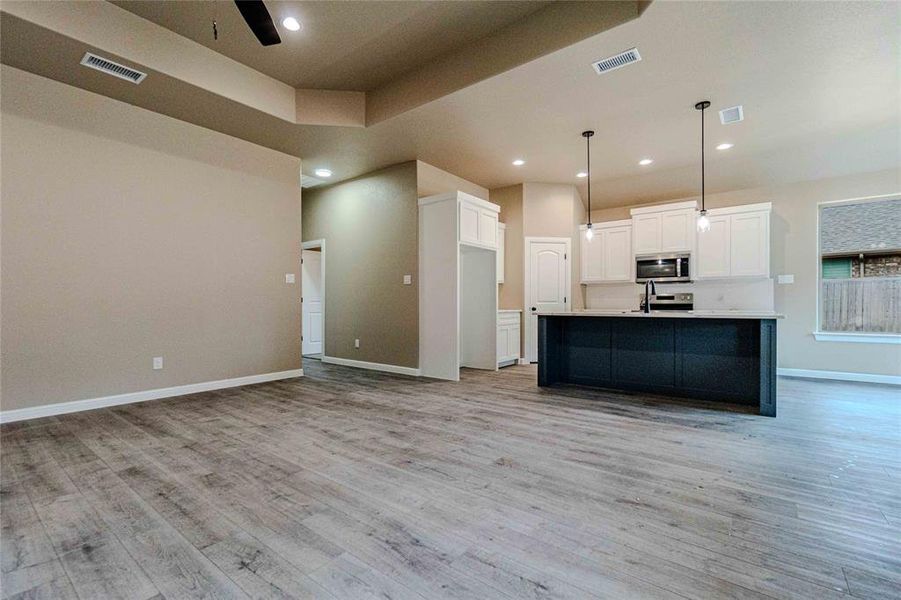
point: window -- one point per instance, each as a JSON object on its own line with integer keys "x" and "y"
{"x": 860, "y": 269}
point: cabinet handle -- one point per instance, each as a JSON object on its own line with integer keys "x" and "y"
{"x": 534, "y": 309}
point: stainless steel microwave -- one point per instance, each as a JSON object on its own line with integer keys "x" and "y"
{"x": 663, "y": 268}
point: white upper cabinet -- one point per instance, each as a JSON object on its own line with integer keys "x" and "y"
{"x": 501, "y": 250}
{"x": 665, "y": 228}
{"x": 712, "y": 259}
{"x": 646, "y": 231}
{"x": 469, "y": 223}
{"x": 618, "y": 260}
{"x": 750, "y": 244}
{"x": 478, "y": 221}
{"x": 488, "y": 227}
{"x": 608, "y": 257}
{"x": 677, "y": 230}
{"x": 591, "y": 257}
{"x": 738, "y": 243}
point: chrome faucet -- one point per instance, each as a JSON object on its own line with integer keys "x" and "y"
{"x": 649, "y": 284}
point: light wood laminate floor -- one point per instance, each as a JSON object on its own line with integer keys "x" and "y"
{"x": 355, "y": 484}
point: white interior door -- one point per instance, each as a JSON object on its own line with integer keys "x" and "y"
{"x": 311, "y": 290}
{"x": 547, "y": 284}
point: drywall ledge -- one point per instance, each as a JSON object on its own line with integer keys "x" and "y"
{"x": 61, "y": 408}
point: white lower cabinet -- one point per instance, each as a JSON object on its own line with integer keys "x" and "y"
{"x": 737, "y": 244}
{"x": 508, "y": 336}
{"x": 607, "y": 258}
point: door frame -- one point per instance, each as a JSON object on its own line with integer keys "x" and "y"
{"x": 527, "y": 284}
{"x": 310, "y": 245}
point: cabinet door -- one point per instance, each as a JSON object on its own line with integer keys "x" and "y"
{"x": 676, "y": 230}
{"x": 502, "y": 343}
{"x": 501, "y": 251}
{"x": 513, "y": 341}
{"x": 646, "y": 232}
{"x": 488, "y": 228}
{"x": 617, "y": 249}
{"x": 749, "y": 244}
{"x": 714, "y": 249}
{"x": 591, "y": 257}
{"x": 469, "y": 223}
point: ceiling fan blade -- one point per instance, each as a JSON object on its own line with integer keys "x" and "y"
{"x": 259, "y": 21}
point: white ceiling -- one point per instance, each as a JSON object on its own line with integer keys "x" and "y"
{"x": 347, "y": 45}
{"x": 819, "y": 83}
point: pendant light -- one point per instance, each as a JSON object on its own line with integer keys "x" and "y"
{"x": 589, "y": 233}
{"x": 703, "y": 221}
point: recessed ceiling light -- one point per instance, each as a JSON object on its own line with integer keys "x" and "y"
{"x": 645, "y": 162}
{"x": 291, "y": 24}
{"x": 322, "y": 173}
{"x": 724, "y": 146}
{"x": 581, "y": 174}
{"x": 519, "y": 162}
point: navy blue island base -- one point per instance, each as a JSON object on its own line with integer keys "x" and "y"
{"x": 730, "y": 360}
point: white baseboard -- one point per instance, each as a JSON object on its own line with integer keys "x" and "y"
{"x": 840, "y": 376}
{"x": 61, "y": 408}
{"x": 361, "y": 364}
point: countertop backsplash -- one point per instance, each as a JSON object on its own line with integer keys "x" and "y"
{"x": 754, "y": 294}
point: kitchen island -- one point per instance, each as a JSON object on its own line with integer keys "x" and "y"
{"x": 720, "y": 356}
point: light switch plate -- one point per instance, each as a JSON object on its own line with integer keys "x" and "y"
{"x": 157, "y": 363}
{"x": 408, "y": 279}
{"x": 289, "y": 277}
{"x": 356, "y": 343}
{"x": 783, "y": 279}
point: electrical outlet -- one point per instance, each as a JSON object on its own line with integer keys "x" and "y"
{"x": 289, "y": 277}
{"x": 784, "y": 279}
{"x": 157, "y": 363}
{"x": 356, "y": 343}
{"x": 408, "y": 279}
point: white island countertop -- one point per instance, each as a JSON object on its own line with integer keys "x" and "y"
{"x": 669, "y": 314}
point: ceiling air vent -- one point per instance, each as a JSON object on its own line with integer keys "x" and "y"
{"x": 732, "y": 115}
{"x": 112, "y": 68}
{"x": 614, "y": 62}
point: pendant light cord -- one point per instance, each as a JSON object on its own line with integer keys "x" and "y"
{"x": 588, "y": 171}
{"x": 587, "y": 135}
{"x": 703, "y": 205}
{"x": 702, "y": 106}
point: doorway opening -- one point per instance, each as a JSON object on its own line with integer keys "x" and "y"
{"x": 312, "y": 299}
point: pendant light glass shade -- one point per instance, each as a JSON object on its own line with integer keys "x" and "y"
{"x": 589, "y": 233}
{"x": 703, "y": 222}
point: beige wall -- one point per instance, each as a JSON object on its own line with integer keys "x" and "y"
{"x": 431, "y": 180}
{"x": 537, "y": 210}
{"x": 794, "y": 251}
{"x": 127, "y": 235}
{"x": 554, "y": 210}
{"x": 369, "y": 225}
{"x": 510, "y": 293}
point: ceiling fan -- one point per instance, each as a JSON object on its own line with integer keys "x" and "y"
{"x": 257, "y": 17}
